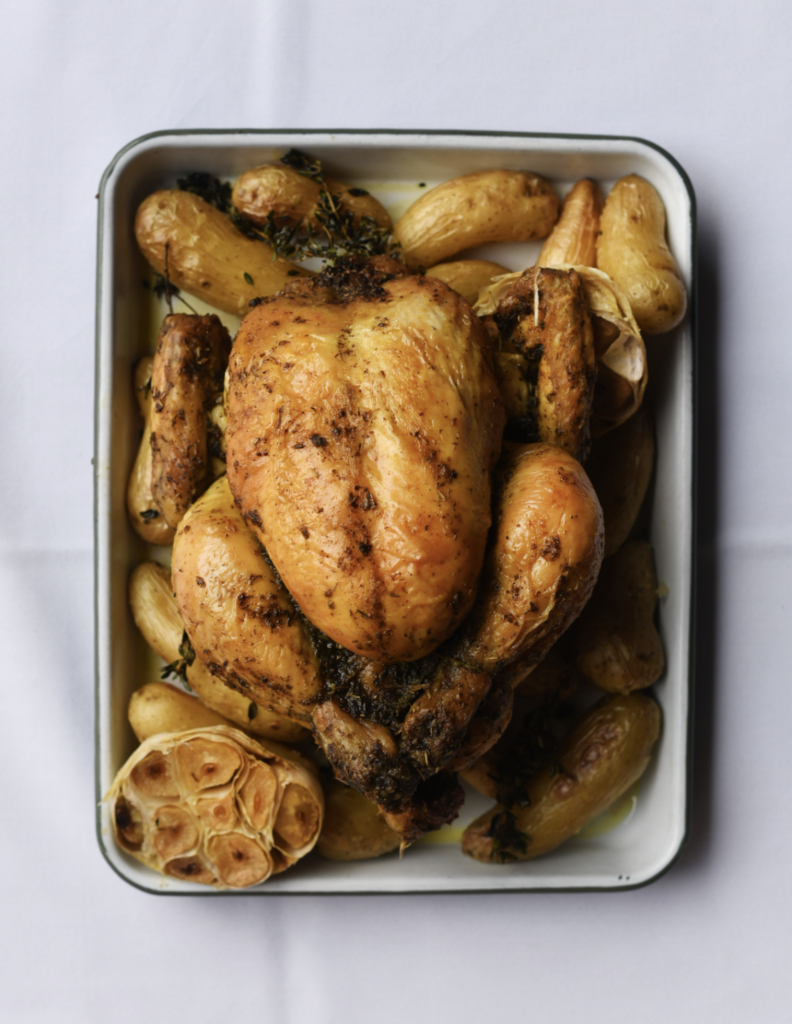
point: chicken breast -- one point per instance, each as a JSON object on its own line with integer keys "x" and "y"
{"x": 363, "y": 424}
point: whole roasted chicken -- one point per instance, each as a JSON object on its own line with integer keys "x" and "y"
{"x": 348, "y": 573}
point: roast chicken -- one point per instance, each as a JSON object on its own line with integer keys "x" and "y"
{"x": 347, "y": 572}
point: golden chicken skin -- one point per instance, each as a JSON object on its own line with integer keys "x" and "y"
{"x": 363, "y": 425}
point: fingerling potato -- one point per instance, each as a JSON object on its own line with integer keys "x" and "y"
{"x": 574, "y": 238}
{"x": 293, "y": 199}
{"x": 618, "y": 647}
{"x": 205, "y": 254}
{"x": 144, "y": 511}
{"x": 467, "y": 277}
{"x": 598, "y": 761}
{"x": 353, "y": 827}
{"x": 160, "y": 707}
{"x": 632, "y": 249}
{"x": 487, "y": 206}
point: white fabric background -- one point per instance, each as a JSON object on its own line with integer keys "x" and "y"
{"x": 709, "y": 81}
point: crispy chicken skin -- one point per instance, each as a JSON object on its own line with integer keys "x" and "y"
{"x": 238, "y": 616}
{"x": 186, "y": 378}
{"x": 544, "y": 318}
{"x": 363, "y": 424}
{"x": 543, "y": 561}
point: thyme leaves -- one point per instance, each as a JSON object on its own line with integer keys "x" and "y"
{"x": 179, "y": 667}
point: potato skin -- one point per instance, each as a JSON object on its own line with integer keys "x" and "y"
{"x": 293, "y": 199}
{"x": 144, "y": 512}
{"x": 620, "y": 468}
{"x": 467, "y": 277}
{"x": 353, "y": 827}
{"x": 599, "y": 760}
{"x": 207, "y": 256}
{"x": 632, "y": 250}
{"x": 160, "y": 707}
{"x": 617, "y": 645}
{"x": 574, "y": 238}
{"x": 487, "y": 206}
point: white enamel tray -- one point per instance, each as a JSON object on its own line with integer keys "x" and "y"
{"x": 628, "y": 848}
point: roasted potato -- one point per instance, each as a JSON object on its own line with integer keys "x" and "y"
{"x": 617, "y": 645}
{"x": 620, "y": 468}
{"x": 353, "y": 827}
{"x": 293, "y": 199}
{"x": 467, "y": 277}
{"x": 202, "y": 252}
{"x": 487, "y": 206}
{"x": 144, "y": 512}
{"x": 632, "y": 249}
{"x": 574, "y": 238}
{"x": 598, "y": 761}
{"x": 160, "y": 707}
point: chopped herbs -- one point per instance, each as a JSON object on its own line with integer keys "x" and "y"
{"x": 209, "y": 188}
{"x": 306, "y": 165}
{"x": 252, "y": 711}
{"x": 333, "y": 232}
{"x": 150, "y": 513}
{"x": 248, "y": 278}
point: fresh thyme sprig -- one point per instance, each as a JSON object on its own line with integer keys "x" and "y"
{"x": 335, "y": 233}
{"x": 209, "y": 188}
{"x": 179, "y": 667}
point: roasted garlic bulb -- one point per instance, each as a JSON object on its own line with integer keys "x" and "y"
{"x": 215, "y": 807}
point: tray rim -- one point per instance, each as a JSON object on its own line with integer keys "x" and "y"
{"x": 341, "y": 134}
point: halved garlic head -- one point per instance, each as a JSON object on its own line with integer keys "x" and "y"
{"x": 214, "y": 806}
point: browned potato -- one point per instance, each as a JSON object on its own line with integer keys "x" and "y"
{"x": 487, "y": 206}
{"x": 157, "y": 617}
{"x": 206, "y": 255}
{"x": 160, "y": 707}
{"x": 144, "y": 512}
{"x": 293, "y": 198}
{"x": 618, "y": 647}
{"x": 353, "y": 828}
{"x": 598, "y": 761}
{"x": 620, "y": 468}
{"x": 187, "y": 378}
{"x": 467, "y": 277}
{"x": 574, "y": 238}
{"x": 632, "y": 249}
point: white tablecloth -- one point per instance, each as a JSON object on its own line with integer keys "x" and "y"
{"x": 710, "y": 83}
